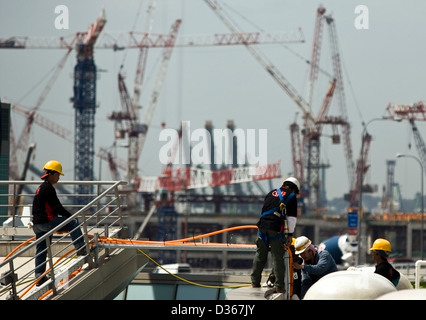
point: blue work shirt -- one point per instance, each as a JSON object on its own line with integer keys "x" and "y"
{"x": 311, "y": 273}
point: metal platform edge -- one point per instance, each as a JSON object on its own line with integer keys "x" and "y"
{"x": 106, "y": 281}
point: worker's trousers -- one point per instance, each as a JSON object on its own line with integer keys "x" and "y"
{"x": 277, "y": 255}
{"x": 41, "y": 248}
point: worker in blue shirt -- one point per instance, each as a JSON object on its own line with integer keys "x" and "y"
{"x": 316, "y": 264}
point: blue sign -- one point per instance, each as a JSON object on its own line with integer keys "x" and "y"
{"x": 353, "y": 219}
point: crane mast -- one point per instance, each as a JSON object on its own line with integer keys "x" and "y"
{"x": 337, "y": 71}
{"x": 84, "y": 102}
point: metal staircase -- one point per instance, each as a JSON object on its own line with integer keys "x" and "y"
{"x": 102, "y": 274}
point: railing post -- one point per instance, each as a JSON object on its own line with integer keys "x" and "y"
{"x": 51, "y": 266}
{"x": 96, "y": 249}
{"x": 10, "y": 277}
{"x": 120, "y": 213}
{"x": 107, "y": 251}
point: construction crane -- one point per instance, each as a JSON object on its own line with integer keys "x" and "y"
{"x": 84, "y": 99}
{"x": 311, "y": 137}
{"x": 84, "y": 102}
{"x": 136, "y": 40}
{"x": 310, "y": 148}
{"x": 412, "y": 113}
{"x": 130, "y": 40}
{"x": 361, "y": 164}
{"x": 138, "y": 131}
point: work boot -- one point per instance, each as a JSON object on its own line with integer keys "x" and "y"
{"x": 279, "y": 289}
{"x": 42, "y": 280}
{"x": 82, "y": 251}
{"x": 255, "y": 285}
{"x": 271, "y": 280}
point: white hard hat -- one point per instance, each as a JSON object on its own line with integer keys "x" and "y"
{"x": 301, "y": 244}
{"x": 294, "y": 181}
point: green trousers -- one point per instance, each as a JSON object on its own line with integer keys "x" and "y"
{"x": 261, "y": 255}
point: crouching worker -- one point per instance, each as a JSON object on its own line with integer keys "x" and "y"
{"x": 47, "y": 213}
{"x": 279, "y": 210}
{"x": 316, "y": 264}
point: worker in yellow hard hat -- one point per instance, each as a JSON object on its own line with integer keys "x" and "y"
{"x": 380, "y": 251}
{"x": 48, "y": 212}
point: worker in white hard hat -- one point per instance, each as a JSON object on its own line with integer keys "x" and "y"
{"x": 316, "y": 264}
{"x": 380, "y": 251}
{"x": 47, "y": 213}
{"x": 275, "y": 228}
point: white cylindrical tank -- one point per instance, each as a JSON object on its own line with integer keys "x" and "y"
{"x": 403, "y": 283}
{"x": 415, "y": 294}
{"x": 350, "y": 285}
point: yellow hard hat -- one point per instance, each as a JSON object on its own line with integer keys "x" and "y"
{"x": 53, "y": 165}
{"x": 381, "y": 244}
{"x": 301, "y": 244}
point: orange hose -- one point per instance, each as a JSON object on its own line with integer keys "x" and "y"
{"x": 72, "y": 275}
{"x": 178, "y": 241}
{"x": 18, "y": 247}
{"x": 183, "y": 242}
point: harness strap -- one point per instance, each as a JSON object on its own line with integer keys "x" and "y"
{"x": 280, "y": 208}
{"x": 282, "y": 202}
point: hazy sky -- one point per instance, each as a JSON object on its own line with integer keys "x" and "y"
{"x": 382, "y": 63}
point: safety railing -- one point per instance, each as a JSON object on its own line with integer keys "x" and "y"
{"x": 419, "y": 275}
{"x": 103, "y": 215}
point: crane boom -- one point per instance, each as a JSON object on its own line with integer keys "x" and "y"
{"x": 420, "y": 144}
{"x": 136, "y": 145}
{"x": 268, "y": 66}
{"x": 23, "y": 140}
{"x": 412, "y": 113}
{"x": 137, "y": 39}
{"x": 316, "y": 52}
{"x": 46, "y": 123}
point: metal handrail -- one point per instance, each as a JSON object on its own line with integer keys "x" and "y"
{"x": 419, "y": 264}
{"x": 101, "y": 216}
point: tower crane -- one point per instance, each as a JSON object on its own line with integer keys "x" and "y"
{"x": 361, "y": 164}
{"x": 412, "y": 113}
{"x": 85, "y": 70}
{"x": 84, "y": 101}
{"x": 312, "y": 124}
{"x": 311, "y": 140}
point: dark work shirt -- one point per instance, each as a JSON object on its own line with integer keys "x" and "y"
{"x": 386, "y": 270}
{"x": 272, "y": 200}
{"x": 46, "y": 205}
